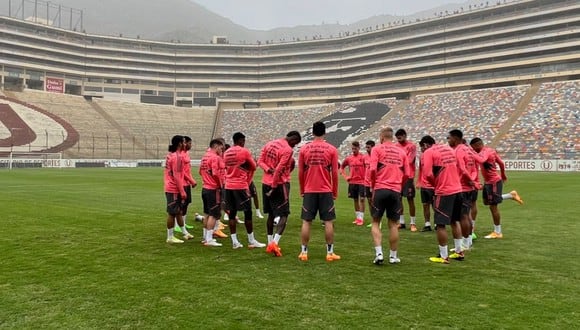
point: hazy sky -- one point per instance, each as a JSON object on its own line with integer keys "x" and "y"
{"x": 268, "y": 14}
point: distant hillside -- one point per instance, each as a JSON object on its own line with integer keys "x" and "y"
{"x": 187, "y": 21}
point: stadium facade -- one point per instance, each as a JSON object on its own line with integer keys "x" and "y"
{"x": 497, "y": 45}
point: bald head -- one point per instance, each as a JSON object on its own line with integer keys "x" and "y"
{"x": 386, "y": 134}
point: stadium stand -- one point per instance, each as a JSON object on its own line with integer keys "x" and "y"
{"x": 153, "y": 125}
{"x": 476, "y": 113}
{"x": 549, "y": 128}
{"x": 96, "y": 136}
{"x": 444, "y": 72}
{"x": 344, "y": 121}
{"x": 122, "y": 130}
{"x": 263, "y": 125}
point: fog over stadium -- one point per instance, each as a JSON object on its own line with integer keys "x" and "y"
{"x": 197, "y": 21}
{"x": 279, "y": 13}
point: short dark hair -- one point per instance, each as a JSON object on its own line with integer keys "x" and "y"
{"x": 294, "y": 134}
{"x": 216, "y": 142}
{"x": 227, "y": 146}
{"x": 400, "y": 132}
{"x": 356, "y": 144}
{"x": 318, "y": 128}
{"x": 237, "y": 137}
{"x": 370, "y": 143}
{"x": 456, "y": 133}
{"x": 427, "y": 139}
{"x": 475, "y": 140}
{"x": 186, "y": 138}
{"x": 175, "y": 141}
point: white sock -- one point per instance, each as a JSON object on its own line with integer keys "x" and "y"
{"x": 185, "y": 216}
{"x": 277, "y": 238}
{"x": 465, "y": 241}
{"x": 184, "y": 230}
{"x": 270, "y": 238}
{"x": 234, "y": 238}
{"x": 402, "y": 219}
{"x": 304, "y": 248}
{"x": 443, "y": 251}
{"x": 169, "y": 233}
{"x": 378, "y": 250}
{"x": 497, "y": 229}
{"x": 175, "y": 223}
{"x": 472, "y": 226}
{"x": 392, "y": 254}
{"x": 217, "y": 225}
{"x": 204, "y": 233}
{"x": 457, "y": 242}
{"x": 427, "y": 223}
{"x": 330, "y": 248}
{"x": 412, "y": 220}
{"x": 226, "y": 217}
{"x": 506, "y": 196}
{"x": 251, "y": 237}
{"x": 470, "y": 240}
{"x": 208, "y": 235}
{"x": 356, "y": 215}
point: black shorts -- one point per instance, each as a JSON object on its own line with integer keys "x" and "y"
{"x": 368, "y": 192}
{"x": 466, "y": 202}
{"x": 238, "y": 200}
{"x": 473, "y": 195}
{"x": 187, "y": 201}
{"x": 356, "y": 191}
{"x": 253, "y": 190}
{"x": 174, "y": 203}
{"x": 427, "y": 195}
{"x": 278, "y": 203}
{"x": 447, "y": 209}
{"x": 386, "y": 200}
{"x": 212, "y": 200}
{"x": 321, "y": 203}
{"x": 408, "y": 189}
{"x": 188, "y": 193}
{"x": 492, "y": 193}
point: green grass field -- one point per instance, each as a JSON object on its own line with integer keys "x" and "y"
{"x": 85, "y": 249}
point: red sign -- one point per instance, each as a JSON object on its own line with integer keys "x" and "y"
{"x": 54, "y": 85}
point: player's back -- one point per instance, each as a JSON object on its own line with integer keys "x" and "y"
{"x": 445, "y": 171}
{"x": 391, "y": 166}
{"x": 317, "y": 160}
{"x": 239, "y": 168}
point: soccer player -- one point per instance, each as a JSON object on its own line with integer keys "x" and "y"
{"x": 211, "y": 170}
{"x": 441, "y": 170}
{"x": 469, "y": 182}
{"x": 277, "y": 162}
{"x": 409, "y": 187}
{"x": 175, "y": 195}
{"x": 189, "y": 181}
{"x": 389, "y": 171}
{"x": 369, "y": 145}
{"x": 318, "y": 178}
{"x": 493, "y": 183}
{"x": 240, "y": 168}
{"x": 427, "y": 189}
{"x": 356, "y": 180}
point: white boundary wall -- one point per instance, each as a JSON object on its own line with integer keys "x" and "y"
{"x": 537, "y": 165}
{"x": 72, "y": 163}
